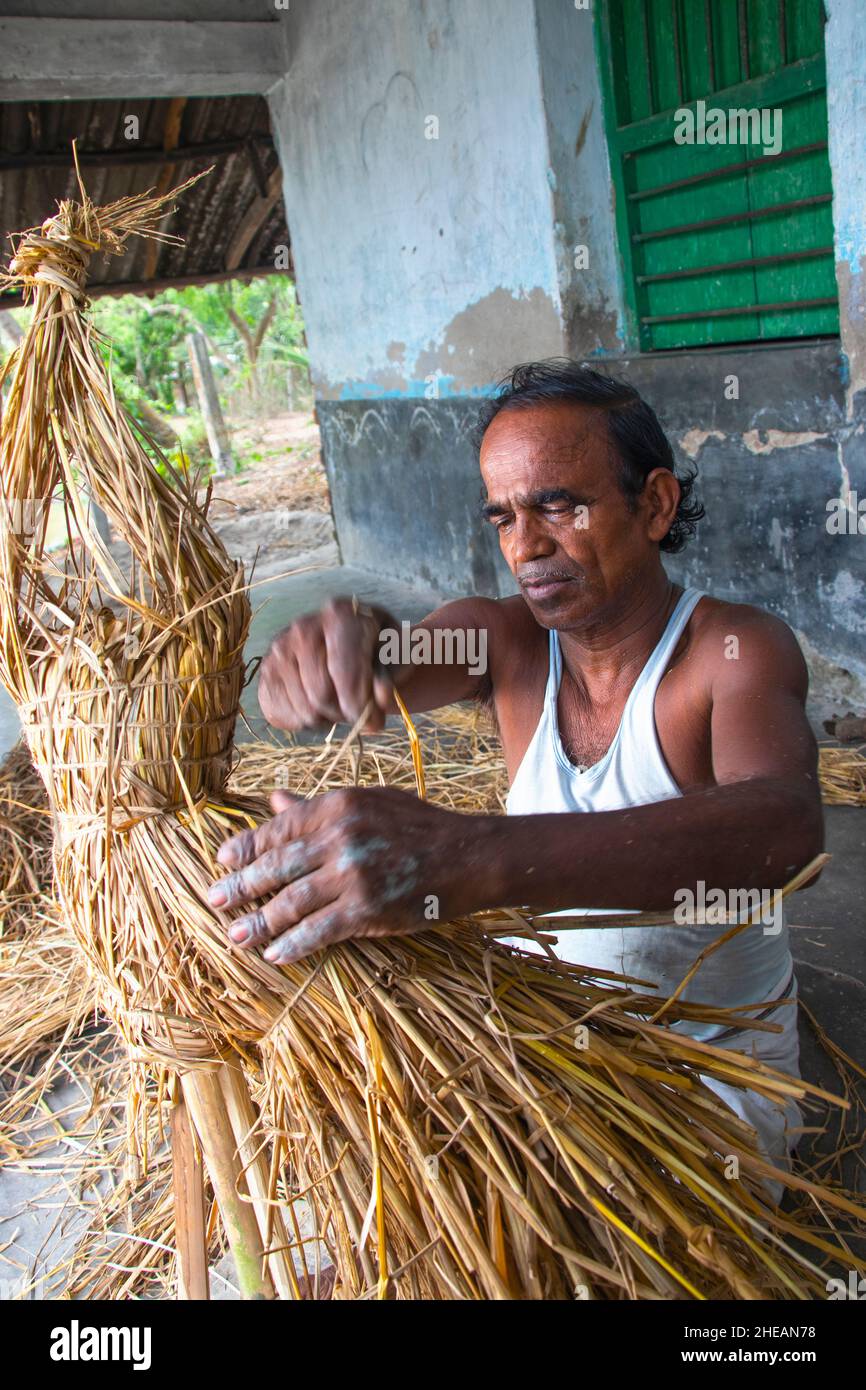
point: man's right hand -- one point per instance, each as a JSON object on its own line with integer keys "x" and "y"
{"x": 323, "y": 669}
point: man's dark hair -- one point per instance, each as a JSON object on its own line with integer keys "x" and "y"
{"x": 633, "y": 430}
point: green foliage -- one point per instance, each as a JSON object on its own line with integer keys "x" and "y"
{"x": 148, "y": 336}
{"x": 142, "y": 346}
{"x": 144, "y": 342}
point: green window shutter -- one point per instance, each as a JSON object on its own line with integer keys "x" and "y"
{"x": 720, "y": 243}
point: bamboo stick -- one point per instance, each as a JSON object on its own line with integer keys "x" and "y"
{"x": 272, "y": 1229}
{"x": 189, "y": 1216}
{"x": 204, "y": 1096}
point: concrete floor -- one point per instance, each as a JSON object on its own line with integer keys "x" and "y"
{"x": 827, "y": 940}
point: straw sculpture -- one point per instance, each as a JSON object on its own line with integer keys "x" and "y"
{"x": 464, "y": 1121}
{"x": 127, "y": 1249}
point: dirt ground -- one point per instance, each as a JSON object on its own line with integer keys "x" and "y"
{"x": 283, "y": 466}
{"x": 275, "y": 513}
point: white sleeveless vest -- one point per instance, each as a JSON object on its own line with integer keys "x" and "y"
{"x": 756, "y": 965}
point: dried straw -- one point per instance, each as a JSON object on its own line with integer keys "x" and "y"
{"x": 128, "y": 1251}
{"x": 843, "y": 775}
{"x": 427, "y": 1096}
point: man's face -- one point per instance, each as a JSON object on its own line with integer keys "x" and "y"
{"x": 570, "y": 539}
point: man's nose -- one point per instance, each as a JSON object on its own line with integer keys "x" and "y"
{"x": 530, "y": 540}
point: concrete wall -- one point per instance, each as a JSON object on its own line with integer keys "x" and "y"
{"x": 419, "y": 259}
{"x": 237, "y": 11}
{"x": 845, "y": 43}
{"x": 593, "y": 307}
{"x": 768, "y": 462}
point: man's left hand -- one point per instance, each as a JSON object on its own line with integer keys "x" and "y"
{"x": 356, "y": 862}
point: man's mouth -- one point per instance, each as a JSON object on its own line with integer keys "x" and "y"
{"x": 545, "y": 586}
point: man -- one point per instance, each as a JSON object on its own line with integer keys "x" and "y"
{"x": 677, "y": 720}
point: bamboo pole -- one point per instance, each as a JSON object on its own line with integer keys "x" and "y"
{"x": 204, "y": 1096}
{"x": 272, "y": 1229}
{"x": 189, "y": 1215}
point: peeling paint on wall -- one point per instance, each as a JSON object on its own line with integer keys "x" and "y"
{"x": 846, "y": 596}
{"x": 845, "y": 48}
{"x": 416, "y": 175}
{"x": 765, "y": 441}
{"x": 851, "y": 281}
{"x": 489, "y": 337}
{"x": 780, "y": 543}
{"x": 693, "y": 441}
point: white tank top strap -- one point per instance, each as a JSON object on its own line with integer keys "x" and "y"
{"x": 554, "y": 667}
{"x": 647, "y": 681}
{"x": 639, "y": 713}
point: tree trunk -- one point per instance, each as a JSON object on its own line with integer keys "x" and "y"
{"x": 208, "y": 399}
{"x": 160, "y": 429}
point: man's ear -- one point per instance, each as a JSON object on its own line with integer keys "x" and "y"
{"x": 661, "y": 493}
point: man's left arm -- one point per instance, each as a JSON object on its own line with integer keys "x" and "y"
{"x": 755, "y": 828}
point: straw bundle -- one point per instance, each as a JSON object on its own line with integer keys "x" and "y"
{"x": 843, "y": 776}
{"x": 427, "y": 1096}
{"x": 128, "y": 1248}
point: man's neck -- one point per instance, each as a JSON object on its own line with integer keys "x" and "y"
{"x": 615, "y": 647}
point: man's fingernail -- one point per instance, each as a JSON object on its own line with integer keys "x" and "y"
{"x": 217, "y": 895}
{"x": 239, "y": 932}
{"x": 225, "y": 853}
{"x": 272, "y": 954}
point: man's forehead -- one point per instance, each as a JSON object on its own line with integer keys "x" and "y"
{"x": 555, "y": 441}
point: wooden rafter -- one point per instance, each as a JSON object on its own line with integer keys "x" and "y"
{"x": 170, "y": 141}
{"x": 252, "y": 220}
{"x": 105, "y": 159}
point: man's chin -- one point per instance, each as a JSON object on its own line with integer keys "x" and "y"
{"x": 559, "y": 605}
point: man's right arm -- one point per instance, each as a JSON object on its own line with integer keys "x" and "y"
{"x": 326, "y": 667}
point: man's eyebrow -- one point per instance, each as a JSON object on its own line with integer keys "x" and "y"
{"x": 491, "y": 509}
{"x": 544, "y": 497}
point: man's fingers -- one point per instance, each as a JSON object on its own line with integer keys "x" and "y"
{"x": 314, "y": 933}
{"x": 269, "y": 871}
{"x": 313, "y": 668}
{"x": 242, "y": 849}
{"x": 284, "y": 801}
{"x": 292, "y": 905}
{"x": 310, "y": 715}
{"x": 350, "y": 643}
{"x": 275, "y": 701}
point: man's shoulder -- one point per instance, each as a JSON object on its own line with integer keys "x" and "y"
{"x": 510, "y": 615}
{"x": 737, "y": 641}
{"x": 713, "y": 616}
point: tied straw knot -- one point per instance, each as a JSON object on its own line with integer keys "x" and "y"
{"x": 58, "y": 253}
{"x": 54, "y": 255}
